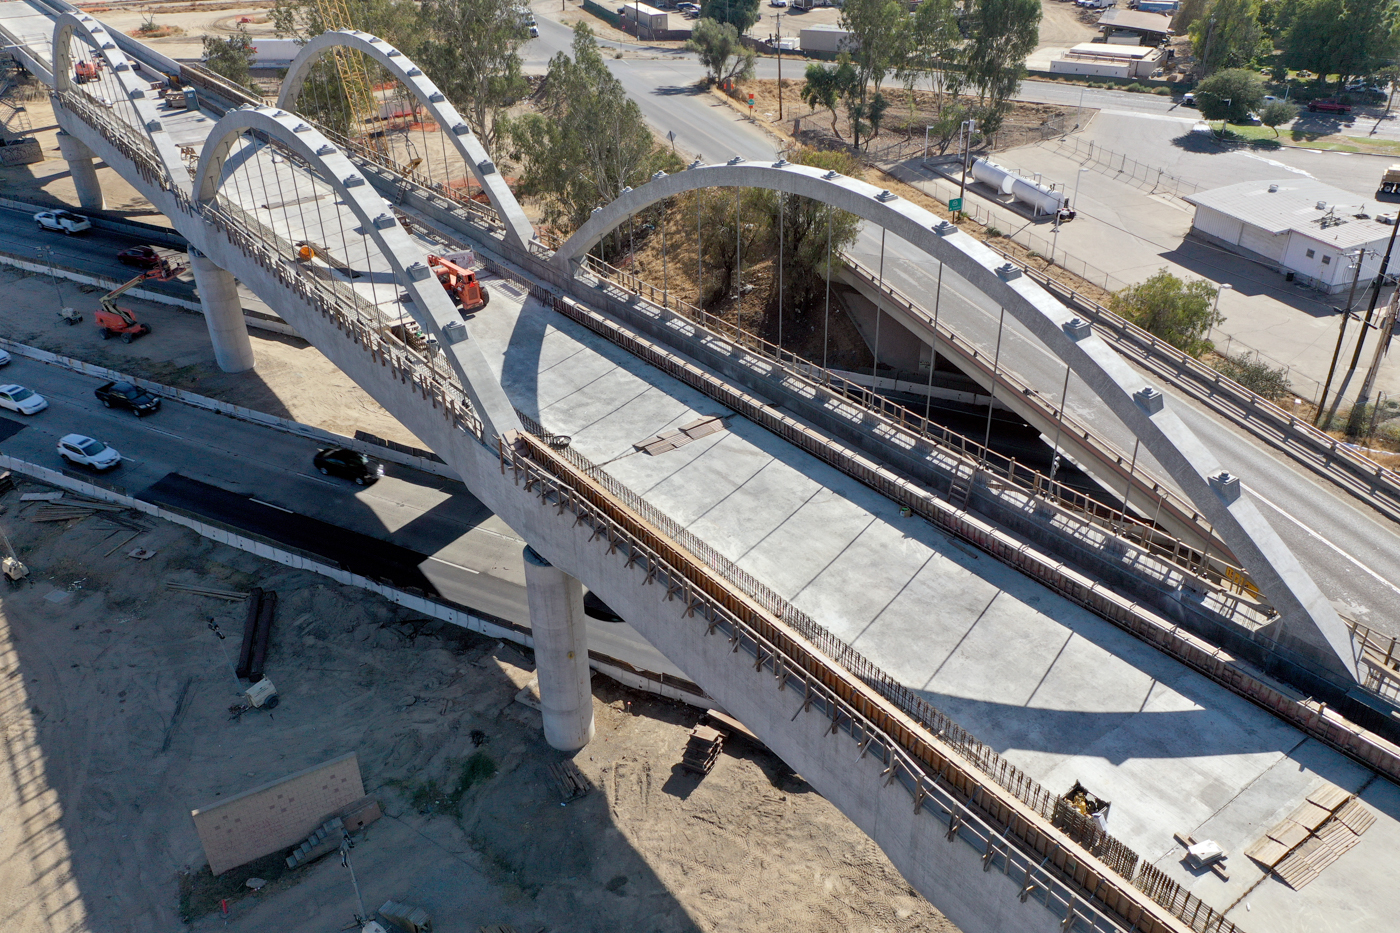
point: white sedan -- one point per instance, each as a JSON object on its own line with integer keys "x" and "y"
{"x": 87, "y": 451}
{"x": 25, "y": 401}
{"x": 4, "y": 358}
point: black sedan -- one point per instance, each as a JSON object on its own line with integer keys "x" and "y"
{"x": 351, "y": 464}
{"x": 142, "y": 257}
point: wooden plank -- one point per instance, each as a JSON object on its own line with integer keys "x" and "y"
{"x": 1288, "y": 833}
{"x": 1310, "y": 815}
{"x": 1266, "y": 851}
{"x": 1328, "y": 796}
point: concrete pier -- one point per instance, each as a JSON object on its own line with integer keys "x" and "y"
{"x": 80, "y": 166}
{"x": 561, "y": 653}
{"x": 223, "y": 313}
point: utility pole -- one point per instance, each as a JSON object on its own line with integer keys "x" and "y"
{"x": 1210, "y": 34}
{"x": 1341, "y": 335}
{"x": 967, "y": 153}
{"x": 1375, "y": 292}
{"x": 1387, "y": 327}
{"x": 780, "y": 66}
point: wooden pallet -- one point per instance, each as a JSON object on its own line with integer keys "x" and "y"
{"x": 1317, "y": 833}
{"x": 568, "y": 781}
{"x": 702, "y": 750}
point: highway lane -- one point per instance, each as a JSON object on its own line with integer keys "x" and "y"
{"x": 94, "y": 251}
{"x": 471, "y": 557}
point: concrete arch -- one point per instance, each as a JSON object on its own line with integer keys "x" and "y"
{"x": 138, "y": 92}
{"x": 518, "y": 228}
{"x": 1307, "y": 622}
{"x": 431, "y": 308}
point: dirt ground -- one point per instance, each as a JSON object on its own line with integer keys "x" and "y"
{"x": 49, "y": 183}
{"x": 1063, "y": 24}
{"x": 291, "y": 379}
{"x": 104, "y": 761}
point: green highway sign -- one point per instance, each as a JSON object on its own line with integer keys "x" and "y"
{"x": 955, "y": 204}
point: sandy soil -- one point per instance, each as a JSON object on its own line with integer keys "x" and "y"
{"x": 103, "y": 763}
{"x": 194, "y": 20}
{"x": 1062, "y": 24}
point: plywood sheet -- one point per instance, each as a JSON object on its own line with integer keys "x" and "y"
{"x": 278, "y": 814}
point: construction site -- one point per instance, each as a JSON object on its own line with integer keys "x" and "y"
{"x": 123, "y": 714}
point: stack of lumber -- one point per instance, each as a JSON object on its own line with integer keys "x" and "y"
{"x": 702, "y": 750}
{"x": 231, "y": 595}
{"x": 63, "y": 508}
{"x": 568, "y": 781}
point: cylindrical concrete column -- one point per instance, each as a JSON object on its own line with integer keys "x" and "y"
{"x": 223, "y": 314}
{"x": 84, "y": 174}
{"x": 561, "y": 653}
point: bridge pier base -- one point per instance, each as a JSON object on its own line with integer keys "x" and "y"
{"x": 223, "y": 314}
{"x": 561, "y": 653}
{"x": 80, "y": 166}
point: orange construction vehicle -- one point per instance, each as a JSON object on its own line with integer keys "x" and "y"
{"x": 460, "y": 283}
{"x": 113, "y": 321}
{"x": 83, "y": 72}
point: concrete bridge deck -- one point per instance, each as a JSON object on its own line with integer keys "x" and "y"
{"x": 1058, "y": 691}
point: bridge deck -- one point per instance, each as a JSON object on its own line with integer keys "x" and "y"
{"x": 1060, "y": 692}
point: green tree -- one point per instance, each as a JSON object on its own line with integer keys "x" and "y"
{"x": 1004, "y": 32}
{"x": 827, "y": 87}
{"x": 1181, "y": 313}
{"x": 878, "y": 29}
{"x": 1228, "y": 35}
{"x": 722, "y": 246}
{"x": 803, "y": 222}
{"x": 1276, "y": 113}
{"x": 588, "y": 141}
{"x": 741, "y": 14}
{"x": 231, "y": 57}
{"x": 472, "y": 50}
{"x": 1230, "y": 95}
{"x": 1347, "y": 38}
{"x": 933, "y": 48}
{"x": 719, "y": 50}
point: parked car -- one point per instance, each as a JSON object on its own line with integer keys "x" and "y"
{"x": 689, "y": 9}
{"x": 66, "y": 222}
{"x": 1188, "y": 99}
{"x": 87, "y": 451}
{"x": 1328, "y": 106}
{"x": 778, "y": 3}
{"x": 4, "y": 358}
{"x": 142, "y": 257}
{"x": 126, "y": 395}
{"x": 351, "y": 464}
{"x": 534, "y": 31}
{"x": 25, "y": 401}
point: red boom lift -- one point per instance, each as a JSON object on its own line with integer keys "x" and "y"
{"x": 113, "y": 321}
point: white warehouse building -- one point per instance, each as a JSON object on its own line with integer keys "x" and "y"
{"x": 1299, "y": 226}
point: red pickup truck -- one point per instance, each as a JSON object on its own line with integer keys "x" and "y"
{"x": 1328, "y": 106}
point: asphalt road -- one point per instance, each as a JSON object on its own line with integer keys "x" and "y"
{"x": 424, "y": 530}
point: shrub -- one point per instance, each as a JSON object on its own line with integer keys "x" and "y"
{"x": 1254, "y": 374}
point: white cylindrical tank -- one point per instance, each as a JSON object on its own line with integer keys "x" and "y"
{"x": 994, "y": 176}
{"x": 1041, "y": 199}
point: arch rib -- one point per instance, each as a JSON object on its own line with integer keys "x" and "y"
{"x": 430, "y": 306}
{"x": 517, "y": 226}
{"x": 138, "y": 92}
{"x": 1307, "y": 622}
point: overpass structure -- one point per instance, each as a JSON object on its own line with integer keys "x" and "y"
{"x": 799, "y": 551}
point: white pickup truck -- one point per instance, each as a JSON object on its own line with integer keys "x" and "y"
{"x": 65, "y": 222}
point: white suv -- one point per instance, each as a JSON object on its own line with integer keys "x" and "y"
{"x": 87, "y": 451}
{"x": 63, "y": 221}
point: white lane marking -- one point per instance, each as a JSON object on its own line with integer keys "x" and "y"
{"x": 1255, "y": 493}
{"x": 271, "y": 506}
{"x": 166, "y": 433}
{"x": 450, "y": 564}
{"x": 1150, "y": 116}
{"x": 1276, "y": 164}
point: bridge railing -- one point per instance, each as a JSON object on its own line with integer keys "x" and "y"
{"x": 1211, "y": 569}
{"x": 1101, "y": 884}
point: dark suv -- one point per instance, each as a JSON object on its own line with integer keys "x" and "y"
{"x": 350, "y": 464}
{"x": 126, "y": 395}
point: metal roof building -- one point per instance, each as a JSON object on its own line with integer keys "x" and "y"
{"x": 1150, "y": 28}
{"x": 1299, "y": 226}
